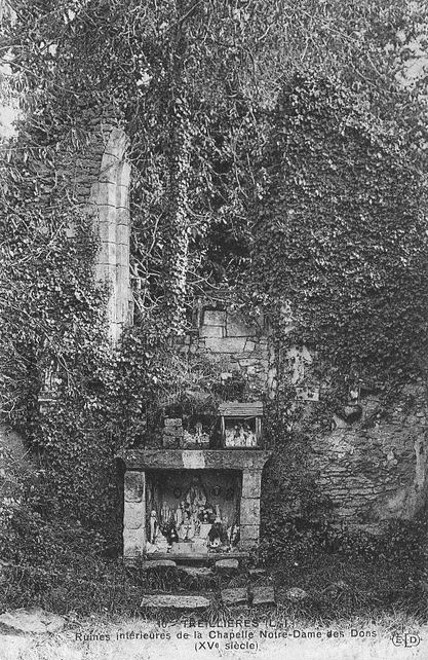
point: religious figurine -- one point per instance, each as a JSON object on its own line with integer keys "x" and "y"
{"x": 217, "y": 535}
{"x": 154, "y": 526}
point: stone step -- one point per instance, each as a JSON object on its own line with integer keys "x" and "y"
{"x": 176, "y": 601}
{"x": 197, "y": 571}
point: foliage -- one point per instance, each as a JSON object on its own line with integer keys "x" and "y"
{"x": 194, "y": 85}
{"x": 341, "y": 235}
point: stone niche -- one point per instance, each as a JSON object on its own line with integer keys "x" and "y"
{"x": 191, "y": 503}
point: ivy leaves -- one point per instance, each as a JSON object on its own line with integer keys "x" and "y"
{"x": 343, "y": 224}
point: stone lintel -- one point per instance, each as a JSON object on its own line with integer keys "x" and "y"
{"x": 181, "y": 459}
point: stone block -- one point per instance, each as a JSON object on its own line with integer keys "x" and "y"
{"x": 237, "y": 327}
{"x": 197, "y": 571}
{"x": 249, "y": 534}
{"x": 155, "y": 564}
{"x": 248, "y": 362}
{"x": 250, "y": 346}
{"x": 214, "y": 317}
{"x": 134, "y": 486}
{"x": 263, "y": 596}
{"x": 295, "y": 594}
{"x": 133, "y": 515}
{"x": 177, "y": 602}
{"x": 212, "y": 331}
{"x": 251, "y": 484}
{"x": 225, "y": 345}
{"x": 257, "y": 572}
{"x": 173, "y": 422}
{"x": 250, "y": 511}
{"x": 227, "y": 566}
{"x": 134, "y": 541}
{"x": 234, "y": 596}
{"x": 170, "y": 442}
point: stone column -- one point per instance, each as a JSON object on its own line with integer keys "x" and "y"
{"x": 110, "y": 197}
{"x": 250, "y": 508}
{"x": 134, "y": 518}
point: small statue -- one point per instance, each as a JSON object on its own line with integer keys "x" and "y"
{"x": 154, "y": 527}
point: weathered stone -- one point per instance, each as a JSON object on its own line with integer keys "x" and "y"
{"x": 177, "y": 459}
{"x": 173, "y": 422}
{"x": 214, "y": 317}
{"x": 134, "y": 541}
{"x": 197, "y": 571}
{"x": 249, "y": 534}
{"x": 248, "y": 362}
{"x": 170, "y": 442}
{"x": 155, "y": 564}
{"x": 263, "y": 596}
{"x": 250, "y": 345}
{"x": 234, "y": 596}
{"x": 134, "y": 513}
{"x": 227, "y": 566}
{"x": 257, "y": 572}
{"x": 237, "y": 327}
{"x": 225, "y": 345}
{"x": 134, "y": 486}
{"x": 177, "y": 602}
{"x": 295, "y": 594}
{"x": 212, "y": 331}
{"x": 32, "y": 621}
{"x": 251, "y": 484}
{"x": 250, "y": 511}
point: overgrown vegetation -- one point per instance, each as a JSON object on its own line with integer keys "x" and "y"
{"x": 275, "y": 146}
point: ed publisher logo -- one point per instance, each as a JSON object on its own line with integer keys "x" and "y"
{"x": 408, "y": 640}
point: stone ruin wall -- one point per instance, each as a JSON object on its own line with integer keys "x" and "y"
{"x": 373, "y": 469}
{"x": 96, "y": 174}
{"x": 234, "y": 346}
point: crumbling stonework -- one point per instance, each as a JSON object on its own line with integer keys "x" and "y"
{"x": 234, "y": 345}
{"x": 95, "y": 174}
{"x": 375, "y": 469}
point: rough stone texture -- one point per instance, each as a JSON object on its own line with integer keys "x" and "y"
{"x": 177, "y": 602}
{"x": 32, "y": 621}
{"x": 177, "y": 459}
{"x": 197, "y": 571}
{"x": 251, "y": 484}
{"x": 227, "y": 566}
{"x": 134, "y": 514}
{"x": 228, "y": 340}
{"x": 263, "y": 595}
{"x": 295, "y": 594}
{"x": 134, "y": 487}
{"x": 134, "y": 542}
{"x": 249, "y": 534}
{"x": 109, "y": 203}
{"x": 155, "y": 564}
{"x": 375, "y": 469}
{"x": 250, "y": 511}
{"x": 234, "y": 596}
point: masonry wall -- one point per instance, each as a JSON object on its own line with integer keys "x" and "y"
{"x": 375, "y": 469}
{"x": 235, "y": 346}
{"x": 372, "y": 466}
{"x": 96, "y": 174}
